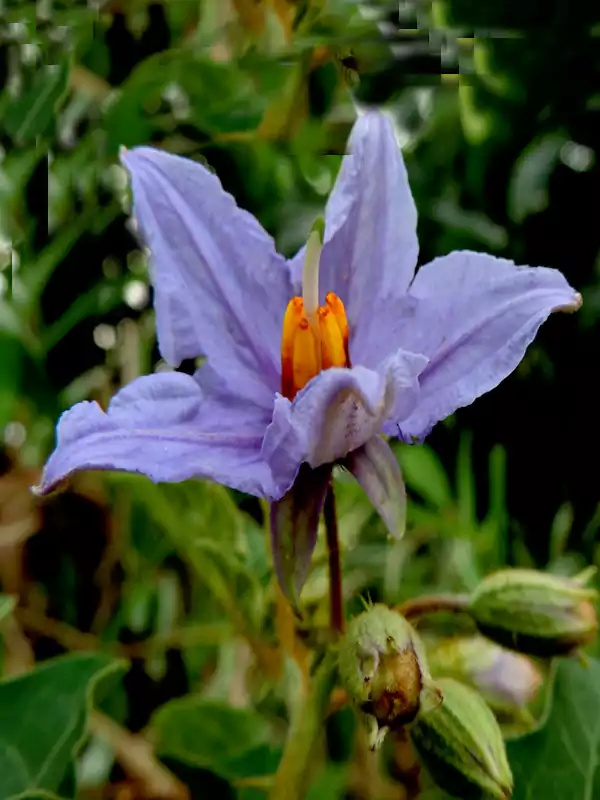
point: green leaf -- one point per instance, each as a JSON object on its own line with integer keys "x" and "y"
{"x": 11, "y": 355}
{"x": 207, "y": 529}
{"x": 15, "y": 171}
{"x": 477, "y": 122}
{"x": 232, "y": 742}
{"x": 424, "y": 473}
{"x": 29, "y": 115}
{"x": 215, "y": 98}
{"x": 561, "y": 530}
{"x": 331, "y": 784}
{"x": 562, "y": 760}
{"x": 528, "y": 188}
{"x": 449, "y": 213}
{"x": 7, "y": 603}
{"x": 43, "y": 717}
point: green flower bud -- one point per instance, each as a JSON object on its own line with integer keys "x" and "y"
{"x": 382, "y": 667}
{"x": 461, "y": 745}
{"x": 535, "y": 612}
{"x": 506, "y": 680}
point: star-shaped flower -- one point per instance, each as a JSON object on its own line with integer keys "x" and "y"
{"x": 308, "y": 361}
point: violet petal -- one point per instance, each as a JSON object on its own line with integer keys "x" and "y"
{"x": 338, "y": 411}
{"x": 220, "y": 288}
{"x": 474, "y": 317}
{"x": 371, "y": 246}
{"x": 376, "y": 469}
{"x": 154, "y": 426}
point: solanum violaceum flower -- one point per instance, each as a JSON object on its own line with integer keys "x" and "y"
{"x": 308, "y": 361}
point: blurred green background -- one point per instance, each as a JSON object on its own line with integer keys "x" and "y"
{"x": 497, "y": 108}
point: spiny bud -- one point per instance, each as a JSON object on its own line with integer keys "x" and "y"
{"x": 535, "y": 612}
{"x": 461, "y": 745}
{"x": 507, "y": 681}
{"x": 382, "y": 667}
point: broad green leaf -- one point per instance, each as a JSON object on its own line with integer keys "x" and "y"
{"x": 43, "y": 717}
{"x": 30, "y": 114}
{"x": 206, "y": 509}
{"x": 232, "y": 742}
{"x": 562, "y": 760}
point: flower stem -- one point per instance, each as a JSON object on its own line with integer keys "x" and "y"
{"x": 433, "y": 604}
{"x": 335, "y": 568}
{"x": 307, "y": 714}
{"x": 405, "y": 766}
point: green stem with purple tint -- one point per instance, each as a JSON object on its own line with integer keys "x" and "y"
{"x": 335, "y": 568}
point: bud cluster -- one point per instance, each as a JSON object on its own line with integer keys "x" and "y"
{"x": 483, "y": 677}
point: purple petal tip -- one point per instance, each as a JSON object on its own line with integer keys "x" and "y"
{"x": 573, "y": 306}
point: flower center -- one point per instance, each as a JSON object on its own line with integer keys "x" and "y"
{"x": 314, "y": 337}
{"x": 307, "y": 348}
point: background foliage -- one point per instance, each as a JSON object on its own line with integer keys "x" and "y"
{"x": 163, "y": 595}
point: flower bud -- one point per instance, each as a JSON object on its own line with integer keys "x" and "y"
{"x": 382, "y": 667}
{"x": 461, "y": 745}
{"x": 503, "y": 678}
{"x": 535, "y": 612}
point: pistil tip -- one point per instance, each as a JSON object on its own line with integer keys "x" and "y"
{"x": 318, "y": 227}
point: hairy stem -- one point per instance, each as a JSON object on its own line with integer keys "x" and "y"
{"x": 307, "y": 717}
{"x": 335, "y": 568}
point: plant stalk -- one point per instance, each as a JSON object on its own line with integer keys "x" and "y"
{"x": 433, "y": 604}
{"x": 335, "y": 568}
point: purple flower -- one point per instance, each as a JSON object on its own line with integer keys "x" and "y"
{"x": 419, "y": 346}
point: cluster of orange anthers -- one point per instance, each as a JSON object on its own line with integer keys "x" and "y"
{"x": 311, "y": 343}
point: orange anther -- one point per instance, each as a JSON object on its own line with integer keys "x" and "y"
{"x": 294, "y": 314}
{"x": 306, "y": 349}
{"x": 333, "y": 351}
{"x": 335, "y": 305}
